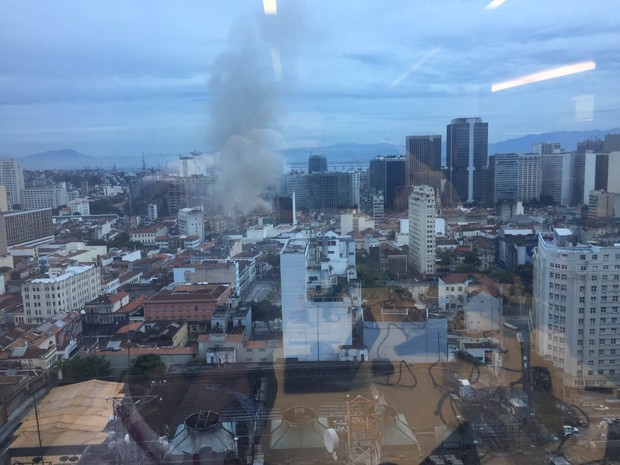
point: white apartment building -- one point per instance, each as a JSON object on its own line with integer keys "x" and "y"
{"x": 64, "y": 289}
{"x": 191, "y": 222}
{"x": 44, "y": 197}
{"x": 321, "y": 296}
{"x": 81, "y": 206}
{"x": 151, "y": 212}
{"x": 422, "y": 236}
{"x": 147, "y": 235}
{"x": 577, "y": 308}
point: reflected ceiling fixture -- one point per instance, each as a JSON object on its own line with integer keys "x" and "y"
{"x": 494, "y": 4}
{"x": 552, "y": 73}
{"x": 270, "y": 7}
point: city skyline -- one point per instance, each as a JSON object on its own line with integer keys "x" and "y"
{"x": 149, "y": 86}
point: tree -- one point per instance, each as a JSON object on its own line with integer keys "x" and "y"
{"x": 85, "y": 368}
{"x": 265, "y": 311}
{"x": 149, "y": 364}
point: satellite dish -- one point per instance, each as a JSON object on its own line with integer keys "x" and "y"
{"x": 331, "y": 440}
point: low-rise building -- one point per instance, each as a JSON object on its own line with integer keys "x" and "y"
{"x": 147, "y": 235}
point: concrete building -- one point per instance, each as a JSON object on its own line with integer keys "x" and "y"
{"x": 25, "y": 227}
{"x": 191, "y": 302}
{"x": 44, "y": 197}
{"x": 356, "y": 221}
{"x": 378, "y": 208}
{"x": 79, "y": 206}
{"x": 147, "y": 235}
{"x": 603, "y": 205}
{"x": 515, "y": 177}
{"x": 190, "y": 221}
{"x": 151, "y": 212}
{"x": 4, "y": 203}
{"x": 101, "y": 317}
{"x": 330, "y": 191}
{"x": 321, "y": 296}
{"x": 529, "y": 178}
{"x": 423, "y": 162}
{"x": 422, "y": 237}
{"x": 477, "y": 295}
{"x": 546, "y": 148}
{"x": 65, "y": 288}
{"x": 577, "y": 309}
{"x": 12, "y": 177}
{"x": 558, "y": 178}
{"x": 466, "y": 157}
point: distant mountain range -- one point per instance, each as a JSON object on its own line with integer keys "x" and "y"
{"x": 338, "y": 154}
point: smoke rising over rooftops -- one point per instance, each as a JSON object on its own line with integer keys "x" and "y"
{"x": 244, "y": 110}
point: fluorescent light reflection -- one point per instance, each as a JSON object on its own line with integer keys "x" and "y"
{"x": 494, "y": 4}
{"x": 552, "y": 73}
{"x": 270, "y": 7}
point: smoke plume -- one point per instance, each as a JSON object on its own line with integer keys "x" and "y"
{"x": 244, "y": 116}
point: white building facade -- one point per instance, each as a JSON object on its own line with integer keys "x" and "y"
{"x": 65, "y": 289}
{"x": 12, "y": 177}
{"x": 321, "y": 296}
{"x": 44, "y": 197}
{"x": 191, "y": 222}
{"x": 422, "y": 237}
{"x": 577, "y": 308}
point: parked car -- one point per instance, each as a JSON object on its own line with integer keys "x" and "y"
{"x": 570, "y": 430}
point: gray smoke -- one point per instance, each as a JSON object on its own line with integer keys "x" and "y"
{"x": 244, "y": 116}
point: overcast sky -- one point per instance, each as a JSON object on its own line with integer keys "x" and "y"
{"x": 122, "y": 78}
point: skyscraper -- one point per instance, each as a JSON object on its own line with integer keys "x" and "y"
{"x": 12, "y": 177}
{"x": 423, "y": 161}
{"x": 317, "y": 164}
{"x": 387, "y": 175}
{"x": 422, "y": 238}
{"x": 466, "y": 156}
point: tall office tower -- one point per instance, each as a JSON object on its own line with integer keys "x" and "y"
{"x": 595, "y": 174}
{"x": 355, "y": 178}
{"x": 529, "y": 178}
{"x": 504, "y": 168}
{"x": 317, "y": 164}
{"x": 12, "y": 177}
{"x": 467, "y": 146}
{"x": 297, "y": 183}
{"x": 515, "y": 177}
{"x": 387, "y": 175}
{"x": 576, "y": 289}
{"x": 284, "y": 209}
{"x": 191, "y": 221}
{"x": 327, "y": 192}
{"x": 321, "y": 296}
{"x": 422, "y": 237}
{"x": 590, "y": 145}
{"x": 578, "y": 164}
{"x": 558, "y": 178}
{"x": 613, "y": 172}
{"x": 67, "y": 288}
{"x": 151, "y": 212}
{"x": 546, "y": 148}
{"x": 424, "y": 161}
{"x": 366, "y": 193}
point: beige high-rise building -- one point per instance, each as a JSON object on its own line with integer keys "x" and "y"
{"x": 422, "y": 237}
